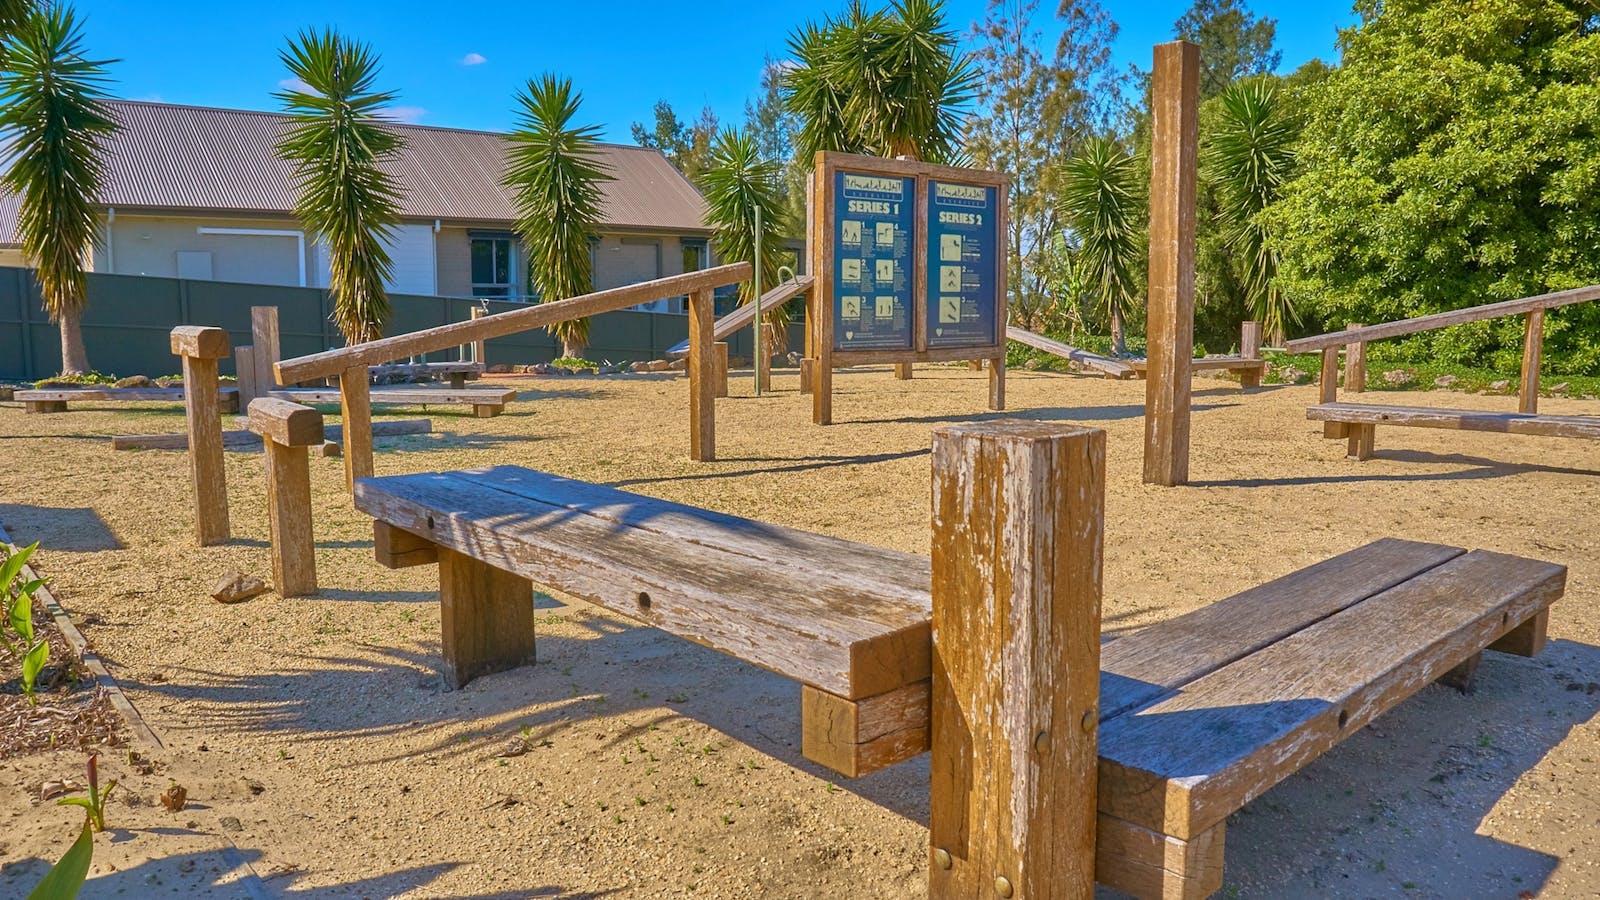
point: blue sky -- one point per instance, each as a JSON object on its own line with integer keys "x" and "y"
{"x": 459, "y": 64}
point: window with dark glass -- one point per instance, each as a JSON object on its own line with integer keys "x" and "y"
{"x": 493, "y": 267}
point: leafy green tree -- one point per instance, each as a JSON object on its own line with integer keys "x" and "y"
{"x": 338, "y": 140}
{"x": 555, "y": 176}
{"x": 687, "y": 145}
{"x": 1029, "y": 115}
{"x": 889, "y": 83}
{"x": 1453, "y": 160}
{"x": 1233, "y": 42}
{"x": 740, "y": 181}
{"x": 1247, "y": 159}
{"x": 55, "y": 125}
{"x": 1101, "y": 205}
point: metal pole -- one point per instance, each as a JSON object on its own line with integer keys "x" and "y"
{"x": 760, "y": 350}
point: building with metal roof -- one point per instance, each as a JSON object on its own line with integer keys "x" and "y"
{"x": 197, "y": 192}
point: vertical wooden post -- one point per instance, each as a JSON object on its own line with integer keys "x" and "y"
{"x": 902, "y": 371}
{"x": 1250, "y": 348}
{"x": 822, "y": 289}
{"x": 807, "y": 366}
{"x": 1532, "y": 360}
{"x": 764, "y": 342}
{"x": 244, "y": 367}
{"x": 287, "y": 429}
{"x": 811, "y": 309}
{"x": 997, "y": 383}
{"x": 477, "y": 346}
{"x": 702, "y": 378}
{"x": 720, "y": 368}
{"x": 1328, "y": 390}
{"x": 200, "y": 347}
{"x": 1174, "y": 170}
{"x": 486, "y": 618}
{"x": 268, "y": 349}
{"x": 1355, "y": 363}
{"x": 355, "y": 415}
{"x": 1018, "y": 524}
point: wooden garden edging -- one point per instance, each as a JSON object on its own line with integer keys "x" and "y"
{"x": 350, "y": 363}
{"x": 1357, "y": 422}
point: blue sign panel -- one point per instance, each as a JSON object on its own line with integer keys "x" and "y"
{"x": 874, "y": 230}
{"x": 963, "y": 265}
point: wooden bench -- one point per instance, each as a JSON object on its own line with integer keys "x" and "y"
{"x": 55, "y": 400}
{"x": 1363, "y": 418}
{"x": 486, "y": 402}
{"x": 1197, "y": 715}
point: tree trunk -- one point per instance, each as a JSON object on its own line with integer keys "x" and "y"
{"x": 573, "y": 349}
{"x": 74, "y": 356}
{"x": 1119, "y": 341}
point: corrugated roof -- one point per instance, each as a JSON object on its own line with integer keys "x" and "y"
{"x": 167, "y": 156}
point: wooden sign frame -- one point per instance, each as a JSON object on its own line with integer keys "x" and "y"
{"x": 820, "y": 308}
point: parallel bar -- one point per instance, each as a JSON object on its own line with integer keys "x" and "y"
{"x": 1453, "y": 317}
{"x": 334, "y": 362}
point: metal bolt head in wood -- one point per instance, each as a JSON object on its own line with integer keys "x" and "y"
{"x": 1002, "y": 886}
{"x": 941, "y": 858}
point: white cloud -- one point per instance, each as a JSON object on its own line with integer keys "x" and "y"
{"x": 295, "y": 84}
{"x": 409, "y": 115}
{"x": 474, "y": 59}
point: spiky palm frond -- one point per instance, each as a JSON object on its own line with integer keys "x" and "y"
{"x": 739, "y": 182}
{"x": 1100, "y": 206}
{"x": 338, "y": 140}
{"x": 13, "y": 15}
{"x": 1249, "y": 158}
{"x": 555, "y": 174}
{"x": 55, "y": 127}
{"x": 890, "y": 83}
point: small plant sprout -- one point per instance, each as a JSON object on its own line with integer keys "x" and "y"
{"x": 95, "y": 803}
{"x": 18, "y": 618}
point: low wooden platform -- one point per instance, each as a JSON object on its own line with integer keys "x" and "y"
{"x": 249, "y": 440}
{"x": 55, "y": 400}
{"x": 1363, "y": 419}
{"x": 485, "y": 402}
{"x": 1250, "y": 371}
{"x": 457, "y": 373}
{"x": 1198, "y": 715}
{"x": 1111, "y": 368}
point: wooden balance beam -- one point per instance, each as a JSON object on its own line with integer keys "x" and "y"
{"x": 1317, "y": 653}
{"x": 249, "y": 440}
{"x": 55, "y": 400}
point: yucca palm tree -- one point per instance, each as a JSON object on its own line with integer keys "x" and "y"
{"x": 55, "y": 126}
{"x": 1248, "y": 158}
{"x": 338, "y": 140}
{"x": 13, "y": 14}
{"x": 555, "y": 174}
{"x": 1101, "y": 207}
{"x": 738, "y": 183}
{"x": 888, "y": 83}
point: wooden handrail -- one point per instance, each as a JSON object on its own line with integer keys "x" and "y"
{"x": 333, "y": 362}
{"x": 743, "y": 313}
{"x": 1445, "y": 319}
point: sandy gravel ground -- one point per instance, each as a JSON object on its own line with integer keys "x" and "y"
{"x": 323, "y": 758}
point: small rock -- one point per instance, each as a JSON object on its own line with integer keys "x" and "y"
{"x": 660, "y": 365}
{"x": 236, "y": 586}
{"x": 500, "y": 369}
{"x": 232, "y": 823}
{"x": 541, "y": 369}
{"x": 1445, "y": 381}
{"x": 1561, "y": 388}
{"x": 254, "y": 787}
{"x": 175, "y": 797}
{"x": 330, "y": 449}
{"x": 1500, "y": 386}
{"x": 1399, "y": 377}
{"x": 1031, "y": 365}
{"x": 638, "y": 367}
{"x": 678, "y": 365}
{"x": 186, "y": 866}
{"x": 517, "y": 746}
{"x": 1291, "y": 375}
{"x": 53, "y": 789}
{"x": 134, "y": 381}
{"x": 8, "y": 393}
{"x": 608, "y": 369}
